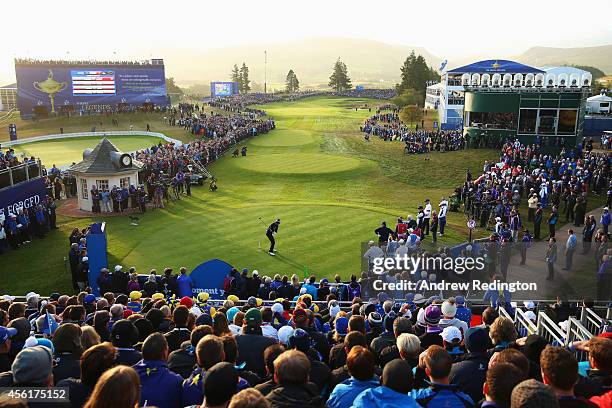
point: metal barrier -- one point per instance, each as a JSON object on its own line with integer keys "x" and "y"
{"x": 503, "y": 312}
{"x": 577, "y": 332}
{"x": 20, "y": 173}
{"x": 524, "y": 326}
{"x": 550, "y": 330}
{"x": 591, "y": 320}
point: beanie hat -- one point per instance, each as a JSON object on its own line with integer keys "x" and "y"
{"x": 284, "y": 333}
{"x": 341, "y": 326}
{"x": 369, "y": 308}
{"x": 204, "y": 319}
{"x": 388, "y": 321}
{"x": 334, "y": 308}
{"x": 186, "y": 301}
{"x": 375, "y": 319}
{"x": 33, "y": 365}
{"x": 299, "y": 316}
{"x": 449, "y": 309}
{"x": 134, "y": 295}
{"x": 203, "y": 296}
{"x": 231, "y": 313}
{"x": 253, "y": 317}
{"x": 432, "y": 315}
{"x": 157, "y": 296}
{"x": 533, "y": 394}
{"x": 476, "y": 339}
{"x": 233, "y": 298}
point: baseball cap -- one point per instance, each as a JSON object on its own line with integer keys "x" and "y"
{"x": 299, "y": 340}
{"x": 451, "y": 334}
{"x": 124, "y": 333}
{"x": 253, "y": 317}
{"x": 32, "y": 365}
{"x": 118, "y": 268}
{"x": 460, "y": 300}
{"x": 476, "y": 339}
{"x": 529, "y": 304}
{"x": 88, "y": 299}
{"x": 252, "y": 301}
{"x": 6, "y": 333}
{"x": 388, "y": 321}
{"x": 220, "y": 383}
{"x": 255, "y": 273}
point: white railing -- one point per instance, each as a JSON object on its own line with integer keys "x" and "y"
{"x": 524, "y": 325}
{"x": 550, "y": 330}
{"x": 591, "y": 320}
{"x": 577, "y": 332}
{"x": 60, "y": 136}
{"x": 503, "y": 312}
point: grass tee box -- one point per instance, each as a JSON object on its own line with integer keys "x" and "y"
{"x": 65, "y": 151}
{"x": 315, "y": 172}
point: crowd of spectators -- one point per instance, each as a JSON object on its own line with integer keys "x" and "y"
{"x": 147, "y": 349}
{"x": 387, "y": 125}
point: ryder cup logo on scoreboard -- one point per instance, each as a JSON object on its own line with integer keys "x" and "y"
{"x": 93, "y": 82}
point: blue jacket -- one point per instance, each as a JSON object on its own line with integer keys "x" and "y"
{"x": 440, "y": 395}
{"x": 344, "y": 393}
{"x": 184, "y": 284}
{"x": 159, "y": 386}
{"x": 384, "y": 397}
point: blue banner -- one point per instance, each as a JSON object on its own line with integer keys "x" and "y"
{"x": 23, "y": 195}
{"x": 209, "y": 277}
{"x": 97, "y": 254}
{"x": 56, "y": 87}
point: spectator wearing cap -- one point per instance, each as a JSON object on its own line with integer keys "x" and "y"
{"x": 270, "y": 354}
{"x": 452, "y": 339}
{"x": 253, "y": 283}
{"x": 375, "y": 324}
{"x": 533, "y": 394}
{"x": 431, "y": 336}
{"x": 68, "y": 349}
{"x": 180, "y": 332}
{"x": 396, "y": 383}
{"x": 470, "y": 373}
{"x": 323, "y": 291}
{"x": 303, "y": 319}
{"x": 387, "y": 337}
{"x": 159, "y": 386}
{"x": 449, "y": 311}
{"x": 267, "y": 329}
{"x": 209, "y": 351}
{"x": 500, "y": 380}
{"x": 135, "y": 295}
{"x": 33, "y": 367}
{"x": 184, "y": 284}
{"x": 464, "y": 313}
{"x": 252, "y": 342}
{"x": 319, "y": 372}
{"x": 560, "y": 372}
{"x": 124, "y": 336}
{"x": 94, "y": 362}
{"x": 360, "y": 363}
{"x": 219, "y": 385}
{"x": 5, "y": 346}
{"x": 120, "y": 279}
{"x": 291, "y": 372}
{"x": 441, "y": 393}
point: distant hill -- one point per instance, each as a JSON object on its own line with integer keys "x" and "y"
{"x": 311, "y": 59}
{"x": 598, "y": 57}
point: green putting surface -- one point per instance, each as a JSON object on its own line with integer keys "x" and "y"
{"x": 329, "y": 188}
{"x": 65, "y": 151}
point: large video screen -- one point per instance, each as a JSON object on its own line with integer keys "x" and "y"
{"x": 77, "y": 87}
{"x": 221, "y": 89}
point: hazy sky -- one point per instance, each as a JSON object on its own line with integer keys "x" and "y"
{"x": 134, "y": 29}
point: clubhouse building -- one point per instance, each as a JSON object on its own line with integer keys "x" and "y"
{"x": 492, "y": 100}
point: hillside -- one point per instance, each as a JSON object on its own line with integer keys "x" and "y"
{"x": 599, "y": 57}
{"x": 312, "y": 59}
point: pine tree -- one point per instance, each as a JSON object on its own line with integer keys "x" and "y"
{"x": 292, "y": 84}
{"x": 236, "y": 75}
{"x": 339, "y": 79}
{"x": 245, "y": 83}
{"x": 415, "y": 74}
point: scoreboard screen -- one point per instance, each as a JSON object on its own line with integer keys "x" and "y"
{"x": 93, "y": 82}
{"x": 221, "y": 89}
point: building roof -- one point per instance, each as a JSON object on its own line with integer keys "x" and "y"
{"x": 599, "y": 98}
{"x": 101, "y": 161}
{"x": 565, "y": 70}
{"x": 495, "y": 66}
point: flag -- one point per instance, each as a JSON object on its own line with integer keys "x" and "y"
{"x": 49, "y": 325}
{"x": 443, "y": 65}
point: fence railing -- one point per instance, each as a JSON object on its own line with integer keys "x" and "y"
{"x": 523, "y": 324}
{"x": 550, "y": 330}
{"x": 577, "y": 332}
{"x": 591, "y": 320}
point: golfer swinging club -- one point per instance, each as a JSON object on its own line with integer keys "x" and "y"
{"x": 272, "y": 229}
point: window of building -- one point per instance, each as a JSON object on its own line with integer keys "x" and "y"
{"x": 493, "y": 120}
{"x": 102, "y": 184}
{"x": 567, "y": 122}
{"x": 527, "y": 120}
{"x": 124, "y": 182}
{"x": 548, "y": 118}
{"x": 84, "y": 192}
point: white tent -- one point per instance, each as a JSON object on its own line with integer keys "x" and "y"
{"x": 599, "y": 104}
